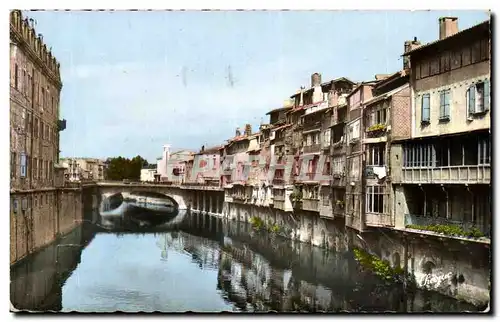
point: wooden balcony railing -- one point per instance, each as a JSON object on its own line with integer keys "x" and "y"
{"x": 312, "y": 148}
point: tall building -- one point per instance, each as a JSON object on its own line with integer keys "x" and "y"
{"x": 443, "y": 173}
{"x": 35, "y": 88}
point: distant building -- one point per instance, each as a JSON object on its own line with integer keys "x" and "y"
{"x": 171, "y": 166}
{"x": 148, "y": 174}
{"x": 79, "y": 169}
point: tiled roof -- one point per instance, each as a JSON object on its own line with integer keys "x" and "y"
{"x": 458, "y": 34}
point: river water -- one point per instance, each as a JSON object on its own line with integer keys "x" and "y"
{"x": 203, "y": 264}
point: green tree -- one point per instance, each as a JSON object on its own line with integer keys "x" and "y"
{"x": 120, "y": 168}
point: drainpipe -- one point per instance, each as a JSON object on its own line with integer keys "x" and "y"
{"x": 425, "y": 199}
{"x": 472, "y": 203}
{"x": 447, "y": 202}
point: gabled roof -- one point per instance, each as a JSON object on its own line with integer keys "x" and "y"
{"x": 355, "y": 89}
{"x": 279, "y": 109}
{"x": 469, "y": 31}
{"x": 385, "y": 95}
{"x": 336, "y": 80}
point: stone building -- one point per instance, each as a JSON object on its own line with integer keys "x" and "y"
{"x": 442, "y": 165}
{"x": 80, "y": 169}
{"x": 39, "y": 209}
{"x": 354, "y": 155}
{"x": 35, "y": 87}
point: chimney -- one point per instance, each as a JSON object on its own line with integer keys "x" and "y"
{"x": 248, "y": 129}
{"x": 238, "y": 131}
{"x": 448, "y": 26}
{"x": 315, "y": 79}
{"x": 409, "y": 46}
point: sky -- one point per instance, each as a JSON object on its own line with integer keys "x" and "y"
{"x": 134, "y": 81}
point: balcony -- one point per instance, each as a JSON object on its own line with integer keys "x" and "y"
{"x": 379, "y": 220}
{"x": 310, "y": 204}
{"x": 311, "y": 126}
{"x": 325, "y": 144}
{"x": 338, "y": 210}
{"x": 279, "y": 204}
{"x": 278, "y": 181}
{"x": 297, "y": 205}
{"x": 473, "y": 174}
{"x": 312, "y": 148}
{"x": 61, "y": 125}
{"x": 418, "y": 220}
{"x": 279, "y": 141}
{"x": 338, "y": 147}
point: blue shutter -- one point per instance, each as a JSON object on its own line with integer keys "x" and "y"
{"x": 472, "y": 100}
{"x": 486, "y": 94}
{"x": 23, "y": 165}
{"x": 447, "y": 103}
{"x": 425, "y": 108}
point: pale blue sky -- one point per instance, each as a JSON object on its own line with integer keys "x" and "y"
{"x": 134, "y": 81}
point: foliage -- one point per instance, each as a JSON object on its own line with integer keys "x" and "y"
{"x": 449, "y": 230}
{"x": 340, "y": 203}
{"x": 377, "y": 127}
{"x": 122, "y": 168}
{"x": 296, "y": 195}
{"x": 257, "y": 223}
{"x": 380, "y": 267}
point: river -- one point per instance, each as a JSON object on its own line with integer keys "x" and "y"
{"x": 203, "y": 264}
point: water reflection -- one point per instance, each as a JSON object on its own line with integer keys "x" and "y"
{"x": 206, "y": 265}
{"x": 136, "y": 210}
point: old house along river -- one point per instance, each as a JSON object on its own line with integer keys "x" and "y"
{"x": 196, "y": 262}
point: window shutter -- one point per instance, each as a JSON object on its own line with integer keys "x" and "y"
{"x": 441, "y": 104}
{"x": 471, "y": 93}
{"x": 486, "y": 95}
{"x": 447, "y": 104}
{"x": 23, "y": 165}
{"x": 425, "y": 108}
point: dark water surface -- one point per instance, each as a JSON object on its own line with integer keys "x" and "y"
{"x": 203, "y": 264}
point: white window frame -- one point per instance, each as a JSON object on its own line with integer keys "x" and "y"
{"x": 373, "y": 158}
{"x": 485, "y": 98}
{"x": 373, "y": 191}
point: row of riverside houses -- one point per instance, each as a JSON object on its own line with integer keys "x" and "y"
{"x": 407, "y": 150}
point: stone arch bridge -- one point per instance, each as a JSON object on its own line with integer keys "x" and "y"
{"x": 204, "y": 199}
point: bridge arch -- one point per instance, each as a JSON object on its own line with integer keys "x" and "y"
{"x": 178, "y": 195}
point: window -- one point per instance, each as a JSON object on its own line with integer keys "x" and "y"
{"x": 426, "y": 108}
{"x": 376, "y": 153}
{"x": 23, "y": 165}
{"x": 378, "y": 115}
{"x": 325, "y": 196}
{"x": 35, "y": 168}
{"x": 14, "y": 206}
{"x": 13, "y": 164}
{"x": 444, "y": 105}
{"x": 24, "y": 83}
{"x": 35, "y": 134}
{"x": 478, "y": 98}
{"x": 338, "y": 165}
{"x": 375, "y": 199}
{"x": 326, "y": 138}
{"x": 484, "y": 151}
{"x": 40, "y": 168}
{"x": 419, "y": 155}
{"x": 16, "y": 76}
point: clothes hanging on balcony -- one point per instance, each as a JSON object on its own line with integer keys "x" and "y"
{"x": 379, "y": 172}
